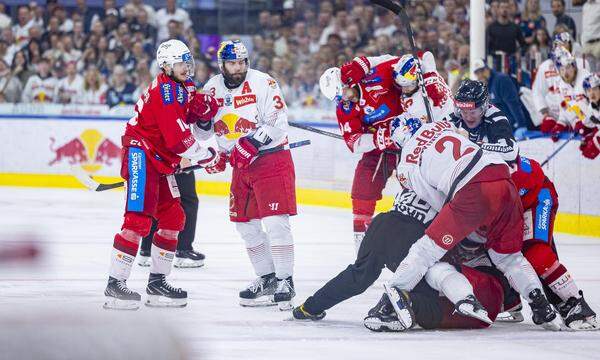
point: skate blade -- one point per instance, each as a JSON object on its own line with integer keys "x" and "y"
{"x": 285, "y": 305}
{"x": 187, "y": 263}
{"x": 376, "y": 325}
{"x": 144, "y": 261}
{"x": 404, "y": 316}
{"x": 262, "y": 301}
{"x": 116, "y": 304}
{"x": 588, "y": 324}
{"x": 554, "y": 325}
{"x": 482, "y": 315}
{"x": 510, "y": 317}
{"x": 163, "y": 301}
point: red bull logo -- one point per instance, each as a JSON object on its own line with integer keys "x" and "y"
{"x": 91, "y": 149}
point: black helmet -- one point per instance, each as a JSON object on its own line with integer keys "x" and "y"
{"x": 471, "y": 94}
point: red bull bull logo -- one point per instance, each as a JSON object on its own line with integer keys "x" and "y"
{"x": 91, "y": 149}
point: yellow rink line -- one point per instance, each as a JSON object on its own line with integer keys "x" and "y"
{"x": 578, "y": 224}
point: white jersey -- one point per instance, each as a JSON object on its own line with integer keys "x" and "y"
{"x": 66, "y": 91}
{"x": 39, "y": 90}
{"x": 433, "y": 158}
{"x": 545, "y": 89}
{"x": 257, "y": 102}
{"x": 573, "y": 100}
{"x": 592, "y": 116}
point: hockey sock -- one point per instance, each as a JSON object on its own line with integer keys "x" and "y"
{"x": 282, "y": 244}
{"x": 257, "y": 246}
{"x": 125, "y": 248}
{"x": 164, "y": 244}
{"x": 551, "y": 271}
{"x": 362, "y": 211}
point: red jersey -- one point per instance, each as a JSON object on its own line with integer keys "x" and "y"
{"x": 530, "y": 180}
{"x": 159, "y": 124}
{"x": 380, "y": 102}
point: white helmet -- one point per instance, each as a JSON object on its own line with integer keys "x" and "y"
{"x": 173, "y": 51}
{"x": 405, "y": 71}
{"x": 331, "y": 83}
{"x": 403, "y": 128}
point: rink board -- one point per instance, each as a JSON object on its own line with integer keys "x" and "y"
{"x": 40, "y": 148}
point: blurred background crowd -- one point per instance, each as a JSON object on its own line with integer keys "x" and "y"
{"x": 85, "y": 52}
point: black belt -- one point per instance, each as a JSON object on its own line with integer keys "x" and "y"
{"x": 463, "y": 173}
{"x": 593, "y": 41}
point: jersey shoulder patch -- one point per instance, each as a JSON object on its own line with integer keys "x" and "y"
{"x": 166, "y": 92}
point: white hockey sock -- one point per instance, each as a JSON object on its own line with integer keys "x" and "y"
{"x": 565, "y": 287}
{"x": 163, "y": 251}
{"x": 358, "y": 238}
{"x": 123, "y": 254}
{"x": 257, "y": 246}
{"x": 449, "y": 282}
{"x": 120, "y": 264}
{"x": 282, "y": 244}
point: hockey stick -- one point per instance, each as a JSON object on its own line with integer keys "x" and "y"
{"x": 400, "y": 11}
{"x": 93, "y": 185}
{"x": 559, "y": 149}
{"x": 315, "y": 130}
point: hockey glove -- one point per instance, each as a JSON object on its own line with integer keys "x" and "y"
{"x": 354, "y": 71}
{"x": 557, "y": 130}
{"x": 435, "y": 90}
{"x": 243, "y": 152}
{"x": 548, "y": 123}
{"x": 590, "y": 148}
{"x": 219, "y": 166}
{"x": 202, "y": 108}
{"x": 582, "y": 130}
{"x": 212, "y": 160}
{"x": 382, "y": 138}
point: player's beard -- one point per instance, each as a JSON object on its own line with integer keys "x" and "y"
{"x": 234, "y": 80}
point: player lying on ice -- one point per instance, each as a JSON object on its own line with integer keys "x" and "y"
{"x": 386, "y": 243}
{"x": 157, "y": 141}
{"x": 487, "y": 126}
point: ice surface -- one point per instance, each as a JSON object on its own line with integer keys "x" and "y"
{"x": 77, "y": 228}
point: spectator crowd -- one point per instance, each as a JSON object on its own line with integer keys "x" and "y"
{"x": 83, "y": 55}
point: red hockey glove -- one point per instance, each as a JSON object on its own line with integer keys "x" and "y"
{"x": 211, "y": 160}
{"x": 435, "y": 91}
{"x": 244, "y": 126}
{"x": 591, "y": 148}
{"x": 557, "y": 130}
{"x": 382, "y": 138}
{"x": 202, "y": 107}
{"x": 354, "y": 71}
{"x": 221, "y": 128}
{"x": 582, "y": 130}
{"x": 242, "y": 154}
{"x": 548, "y": 123}
{"x": 219, "y": 166}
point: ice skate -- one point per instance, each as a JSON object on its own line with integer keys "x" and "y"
{"x": 543, "y": 313}
{"x": 284, "y": 294}
{"x": 120, "y": 297}
{"x": 162, "y": 294}
{"x": 188, "y": 259}
{"x": 471, "y": 307}
{"x": 259, "y": 292}
{"x": 401, "y": 303}
{"x": 577, "y": 314}
{"x": 383, "y": 318}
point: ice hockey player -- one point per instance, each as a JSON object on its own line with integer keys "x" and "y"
{"x": 472, "y": 191}
{"x": 590, "y": 146}
{"x": 485, "y": 124}
{"x": 252, "y": 116}
{"x": 157, "y": 141}
{"x": 573, "y": 102}
{"x": 367, "y": 101}
{"x": 545, "y": 92}
{"x": 386, "y": 244}
{"x": 540, "y": 204}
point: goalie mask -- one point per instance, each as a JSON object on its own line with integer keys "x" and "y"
{"x": 173, "y": 54}
{"x": 232, "y": 58}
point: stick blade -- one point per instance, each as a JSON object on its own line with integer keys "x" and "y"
{"x": 84, "y": 178}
